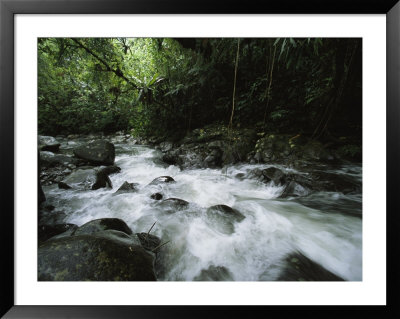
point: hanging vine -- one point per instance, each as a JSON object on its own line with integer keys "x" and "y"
{"x": 234, "y": 86}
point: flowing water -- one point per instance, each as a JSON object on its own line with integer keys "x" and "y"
{"x": 326, "y": 226}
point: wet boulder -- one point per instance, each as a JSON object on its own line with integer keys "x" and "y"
{"x": 166, "y": 146}
{"x": 174, "y": 203}
{"x": 314, "y": 150}
{"x": 149, "y": 242}
{"x": 214, "y": 273}
{"x": 127, "y": 188}
{"x": 162, "y": 180}
{"x": 294, "y": 189}
{"x": 298, "y": 267}
{"x": 102, "y": 181}
{"x": 81, "y": 177}
{"x": 257, "y": 174}
{"x": 62, "y": 185}
{"x": 226, "y": 211}
{"x": 48, "y": 231}
{"x": 111, "y": 169}
{"x": 49, "y": 159}
{"x": 102, "y": 177}
{"x": 274, "y": 174}
{"x": 119, "y": 236}
{"x": 335, "y": 182}
{"x": 48, "y": 143}
{"x": 101, "y": 224}
{"x": 156, "y": 196}
{"x": 222, "y": 218}
{"x": 98, "y": 152}
{"x": 171, "y": 158}
{"x": 213, "y": 159}
{"x": 273, "y": 147}
{"x": 95, "y": 257}
{"x": 41, "y": 196}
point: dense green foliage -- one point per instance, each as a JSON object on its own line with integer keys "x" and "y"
{"x": 169, "y": 86}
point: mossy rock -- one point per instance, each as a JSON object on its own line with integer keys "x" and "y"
{"x": 101, "y": 224}
{"x": 99, "y": 152}
{"x": 94, "y": 258}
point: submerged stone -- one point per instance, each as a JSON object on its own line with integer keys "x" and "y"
{"x": 222, "y": 218}
{"x": 300, "y": 268}
{"x": 226, "y": 211}
{"x": 214, "y": 273}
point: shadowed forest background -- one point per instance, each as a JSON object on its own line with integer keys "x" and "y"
{"x": 164, "y": 88}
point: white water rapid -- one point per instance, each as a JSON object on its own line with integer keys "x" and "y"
{"x": 326, "y": 226}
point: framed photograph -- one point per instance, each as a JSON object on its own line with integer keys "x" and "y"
{"x": 159, "y": 155}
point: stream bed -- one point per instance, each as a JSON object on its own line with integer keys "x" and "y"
{"x": 326, "y": 227}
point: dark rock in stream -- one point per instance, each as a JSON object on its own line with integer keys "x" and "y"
{"x": 176, "y": 203}
{"x": 81, "y": 178}
{"x": 111, "y": 169}
{"x": 162, "y": 180}
{"x": 48, "y": 143}
{"x": 300, "y": 268}
{"x": 41, "y": 196}
{"x": 222, "y": 218}
{"x": 102, "y": 181}
{"x": 101, "y": 224}
{"x": 335, "y": 182}
{"x": 274, "y": 174}
{"x": 293, "y": 189}
{"x": 49, "y": 159}
{"x": 226, "y": 211}
{"x": 63, "y": 185}
{"x": 99, "y": 152}
{"x": 97, "y": 257}
{"x": 214, "y": 273}
{"x": 156, "y": 196}
{"x": 127, "y": 188}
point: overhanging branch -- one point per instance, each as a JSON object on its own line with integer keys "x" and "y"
{"x": 117, "y": 72}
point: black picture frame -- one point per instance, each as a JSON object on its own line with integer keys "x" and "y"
{"x": 8, "y": 8}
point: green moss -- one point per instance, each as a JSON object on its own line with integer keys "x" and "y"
{"x": 61, "y": 275}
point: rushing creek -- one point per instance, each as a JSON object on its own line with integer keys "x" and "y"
{"x": 324, "y": 226}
